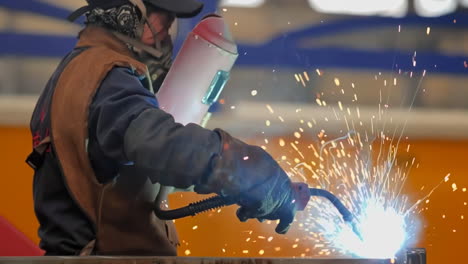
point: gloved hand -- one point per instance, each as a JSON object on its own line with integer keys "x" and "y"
{"x": 251, "y": 177}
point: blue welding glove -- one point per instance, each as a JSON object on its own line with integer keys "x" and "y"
{"x": 251, "y": 177}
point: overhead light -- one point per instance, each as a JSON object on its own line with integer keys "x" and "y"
{"x": 242, "y": 3}
{"x": 395, "y": 8}
{"x": 434, "y": 8}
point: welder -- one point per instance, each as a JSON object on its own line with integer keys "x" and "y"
{"x": 102, "y": 148}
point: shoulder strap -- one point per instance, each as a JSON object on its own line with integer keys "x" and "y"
{"x": 36, "y": 158}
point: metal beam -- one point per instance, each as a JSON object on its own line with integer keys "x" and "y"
{"x": 35, "y": 45}
{"x": 336, "y": 57}
{"x": 355, "y": 23}
{"x": 36, "y": 7}
{"x": 184, "y": 260}
{"x": 268, "y": 56}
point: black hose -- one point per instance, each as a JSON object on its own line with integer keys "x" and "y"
{"x": 218, "y": 201}
{"x": 345, "y": 213}
{"x": 193, "y": 208}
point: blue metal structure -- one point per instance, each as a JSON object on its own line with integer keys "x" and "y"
{"x": 270, "y": 54}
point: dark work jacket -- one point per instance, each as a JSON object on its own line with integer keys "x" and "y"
{"x": 126, "y": 130}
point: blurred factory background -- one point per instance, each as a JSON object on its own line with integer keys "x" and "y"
{"x": 409, "y": 57}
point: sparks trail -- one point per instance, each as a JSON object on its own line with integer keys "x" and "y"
{"x": 371, "y": 188}
{"x": 362, "y": 168}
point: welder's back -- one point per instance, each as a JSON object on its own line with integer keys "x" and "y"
{"x": 77, "y": 213}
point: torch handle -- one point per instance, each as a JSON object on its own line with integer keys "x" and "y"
{"x": 193, "y": 208}
{"x": 302, "y": 195}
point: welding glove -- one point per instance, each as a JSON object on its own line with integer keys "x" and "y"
{"x": 255, "y": 181}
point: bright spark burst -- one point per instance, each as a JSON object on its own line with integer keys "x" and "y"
{"x": 383, "y": 232}
{"x": 362, "y": 170}
{"x": 371, "y": 192}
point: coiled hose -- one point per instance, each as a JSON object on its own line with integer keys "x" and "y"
{"x": 193, "y": 208}
{"x": 219, "y": 201}
{"x": 345, "y": 213}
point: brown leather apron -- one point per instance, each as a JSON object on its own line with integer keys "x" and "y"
{"x": 123, "y": 217}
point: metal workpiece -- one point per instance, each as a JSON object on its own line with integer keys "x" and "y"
{"x": 413, "y": 256}
{"x": 187, "y": 260}
{"x": 405, "y": 256}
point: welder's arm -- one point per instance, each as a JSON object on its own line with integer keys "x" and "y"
{"x": 212, "y": 161}
{"x": 169, "y": 153}
{"x": 127, "y": 128}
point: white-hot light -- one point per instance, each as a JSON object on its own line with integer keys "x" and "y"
{"x": 433, "y": 8}
{"x": 362, "y": 170}
{"x": 370, "y": 188}
{"x": 383, "y": 232}
{"x": 242, "y": 3}
{"x": 396, "y": 8}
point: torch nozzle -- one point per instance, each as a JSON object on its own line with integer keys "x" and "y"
{"x": 355, "y": 227}
{"x": 345, "y": 213}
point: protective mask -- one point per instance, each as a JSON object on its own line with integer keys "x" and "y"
{"x": 158, "y": 58}
{"x": 158, "y": 66}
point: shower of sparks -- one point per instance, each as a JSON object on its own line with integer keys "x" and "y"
{"x": 337, "y": 81}
{"x": 300, "y": 79}
{"x": 362, "y": 170}
{"x": 454, "y": 186}
{"x": 306, "y": 76}
{"x": 270, "y": 109}
{"x": 371, "y": 191}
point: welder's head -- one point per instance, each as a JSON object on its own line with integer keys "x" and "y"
{"x": 129, "y": 16}
{"x": 144, "y": 21}
{"x": 126, "y": 16}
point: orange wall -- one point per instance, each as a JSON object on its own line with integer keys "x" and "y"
{"x": 16, "y": 203}
{"x": 220, "y": 234}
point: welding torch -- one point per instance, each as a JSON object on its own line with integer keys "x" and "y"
{"x": 302, "y": 194}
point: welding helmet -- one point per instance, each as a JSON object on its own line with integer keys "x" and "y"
{"x": 199, "y": 72}
{"x": 197, "y": 77}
